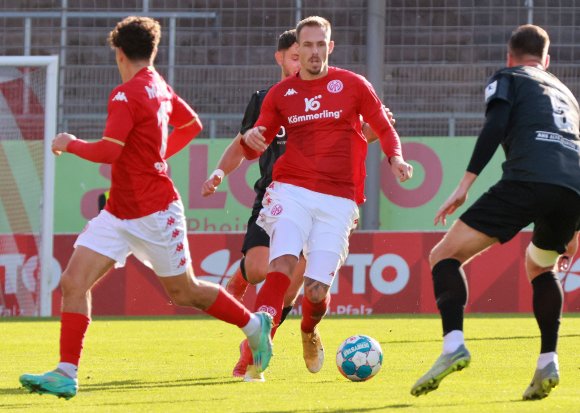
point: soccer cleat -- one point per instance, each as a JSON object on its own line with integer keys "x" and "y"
{"x": 445, "y": 365}
{"x": 253, "y": 375}
{"x": 312, "y": 351}
{"x": 261, "y": 343}
{"x": 53, "y": 382}
{"x": 237, "y": 286}
{"x": 543, "y": 382}
{"x": 242, "y": 364}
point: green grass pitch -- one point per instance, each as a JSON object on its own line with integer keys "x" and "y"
{"x": 184, "y": 365}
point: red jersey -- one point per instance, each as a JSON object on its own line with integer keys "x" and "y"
{"x": 139, "y": 113}
{"x": 326, "y": 149}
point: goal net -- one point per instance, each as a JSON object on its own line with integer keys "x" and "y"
{"x": 28, "y": 110}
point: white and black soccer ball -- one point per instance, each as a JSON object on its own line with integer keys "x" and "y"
{"x": 359, "y": 358}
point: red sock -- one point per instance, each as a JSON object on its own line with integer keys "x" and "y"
{"x": 228, "y": 309}
{"x": 312, "y": 313}
{"x": 73, "y": 327}
{"x": 271, "y": 296}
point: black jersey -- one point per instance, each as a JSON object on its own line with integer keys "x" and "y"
{"x": 542, "y": 142}
{"x": 270, "y": 155}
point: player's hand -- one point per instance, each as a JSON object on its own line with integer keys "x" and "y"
{"x": 390, "y": 115}
{"x": 60, "y": 142}
{"x": 566, "y": 258}
{"x": 401, "y": 169}
{"x": 255, "y": 140}
{"x": 457, "y": 198}
{"x": 210, "y": 185}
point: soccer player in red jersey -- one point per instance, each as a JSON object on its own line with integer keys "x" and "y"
{"x": 144, "y": 213}
{"x": 254, "y": 264}
{"x": 311, "y": 204}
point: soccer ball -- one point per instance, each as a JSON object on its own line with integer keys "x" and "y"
{"x": 359, "y": 358}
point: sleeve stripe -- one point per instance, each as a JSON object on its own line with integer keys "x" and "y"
{"x": 191, "y": 122}
{"x": 118, "y": 142}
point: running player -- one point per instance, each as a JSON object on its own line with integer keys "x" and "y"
{"x": 311, "y": 204}
{"x": 255, "y": 249}
{"x": 535, "y": 118}
{"x": 144, "y": 213}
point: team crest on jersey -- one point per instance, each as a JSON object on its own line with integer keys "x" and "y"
{"x": 276, "y": 210}
{"x": 490, "y": 90}
{"x": 290, "y": 92}
{"x": 334, "y": 86}
{"x": 120, "y": 96}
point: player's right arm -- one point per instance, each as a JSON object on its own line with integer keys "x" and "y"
{"x": 230, "y": 160}
{"x": 256, "y": 140}
{"x": 233, "y": 156}
{"x": 109, "y": 148}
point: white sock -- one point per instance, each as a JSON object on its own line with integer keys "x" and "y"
{"x": 69, "y": 369}
{"x": 547, "y": 358}
{"x": 452, "y": 341}
{"x": 252, "y": 326}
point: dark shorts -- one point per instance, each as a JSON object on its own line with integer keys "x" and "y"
{"x": 255, "y": 236}
{"x": 509, "y": 206}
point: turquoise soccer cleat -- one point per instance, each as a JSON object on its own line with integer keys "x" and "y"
{"x": 445, "y": 365}
{"x": 52, "y": 382}
{"x": 261, "y": 342}
{"x": 543, "y": 382}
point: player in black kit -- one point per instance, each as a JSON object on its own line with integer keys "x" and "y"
{"x": 255, "y": 249}
{"x": 535, "y": 118}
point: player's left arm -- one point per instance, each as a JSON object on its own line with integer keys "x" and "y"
{"x": 373, "y": 112}
{"x": 187, "y": 126}
{"x": 369, "y": 133}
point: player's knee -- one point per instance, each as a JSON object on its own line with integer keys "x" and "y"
{"x": 284, "y": 264}
{"x": 540, "y": 257}
{"x": 72, "y": 284}
{"x": 315, "y": 291}
{"x": 255, "y": 271}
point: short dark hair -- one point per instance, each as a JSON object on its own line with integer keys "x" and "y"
{"x": 529, "y": 40}
{"x": 137, "y": 37}
{"x": 286, "y": 39}
{"x": 313, "y": 21}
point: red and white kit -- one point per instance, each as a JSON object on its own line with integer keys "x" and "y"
{"x": 325, "y": 154}
{"x": 144, "y": 213}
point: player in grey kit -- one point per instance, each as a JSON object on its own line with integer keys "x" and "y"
{"x": 535, "y": 118}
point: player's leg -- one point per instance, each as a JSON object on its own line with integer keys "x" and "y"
{"x": 186, "y": 290}
{"x": 294, "y": 289}
{"x": 552, "y": 233}
{"x": 83, "y": 270}
{"x": 160, "y": 241}
{"x": 254, "y": 264}
{"x": 498, "y": 215}
{"x": 458, "y": 246}
{"x": 321, "y": 269}
{"x": 547, "y": 304}
{"x": 326, "y": 251}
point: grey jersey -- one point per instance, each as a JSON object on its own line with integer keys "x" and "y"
{"x": 542, "y": 142}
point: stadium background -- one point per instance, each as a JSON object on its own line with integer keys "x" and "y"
{"x": 437, "y": 56}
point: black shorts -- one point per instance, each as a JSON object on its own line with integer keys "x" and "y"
{"x": 255, "y": 236}
{"x": 509, "y": 206}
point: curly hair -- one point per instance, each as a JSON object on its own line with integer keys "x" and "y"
{"x": 137, "y": 37}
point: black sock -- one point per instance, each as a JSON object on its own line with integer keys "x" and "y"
{"x": 243, "y": 268}
{"x": 548, "y": 298}
{"x": 285, "y": 312}
{"x": 450, "y": 288}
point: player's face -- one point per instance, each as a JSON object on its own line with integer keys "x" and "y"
{"x": 290, "y": 61}
{"x": 315, "y": 46}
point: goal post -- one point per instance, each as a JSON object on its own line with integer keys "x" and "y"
{"x": 28, "y": 116}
